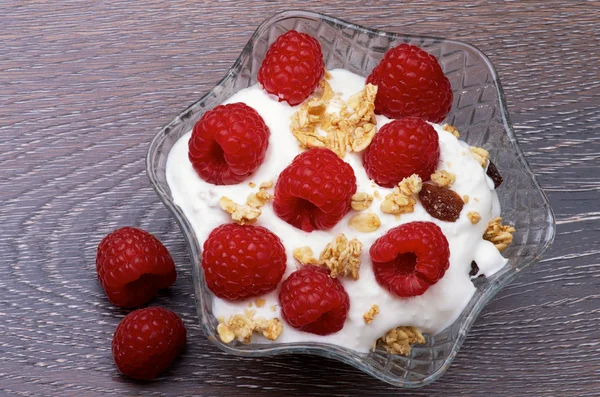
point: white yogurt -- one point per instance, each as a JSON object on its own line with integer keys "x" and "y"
{"x": 431, "y": 312}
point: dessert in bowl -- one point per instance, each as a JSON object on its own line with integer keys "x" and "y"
{"x": 433, "y": 310}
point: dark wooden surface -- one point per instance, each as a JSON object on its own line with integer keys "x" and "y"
{"x": 84, "y": 86}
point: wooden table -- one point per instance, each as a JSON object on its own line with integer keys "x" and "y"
{"x": 85, "y": 85}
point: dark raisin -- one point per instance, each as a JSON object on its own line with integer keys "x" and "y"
{"x": 493, "y": 173}
{"x": 441, "y": 203}
{"x": 474, "y": 269}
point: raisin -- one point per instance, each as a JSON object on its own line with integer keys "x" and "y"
{"x": 474, "y": 269}
{"x": 441, "y": 203}
{"x": 493, "y": 173}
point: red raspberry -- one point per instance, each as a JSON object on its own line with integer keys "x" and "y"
{"x": 410, "y": 258}
{"x": 292, "y": 68}
{"x": 147, "y": 341}
{"x": 402, "y": 148}
{"x": 411, "y": 83}
{"x": 311, "y": 301}
{"x": 242, "y": 262}
{"x": 315, "y": 190}
{"x": 132, "y": 266}
{"x": 228, "y": 143}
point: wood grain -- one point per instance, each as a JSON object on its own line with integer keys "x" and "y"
{"x": 84, "y": 85}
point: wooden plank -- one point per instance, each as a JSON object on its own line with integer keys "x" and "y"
{"x": 85, "y": 85}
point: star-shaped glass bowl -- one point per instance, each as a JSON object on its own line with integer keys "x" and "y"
{"x": 478, "y": 112}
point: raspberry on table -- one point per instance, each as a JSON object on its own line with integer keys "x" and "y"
{"x": 147, "y": 341}
{"x": 132, "y": 265}
{"x": 411, "y": 82}
{"x": 242, "y": 262}
{"x": 401, "y": 148}
{"x": 228, "y": 143}
{"x": 315, "y": 190}
{"x": 410, "y": 258}
{"x": 312, "y": 301}
{"x": 292, "y": 68}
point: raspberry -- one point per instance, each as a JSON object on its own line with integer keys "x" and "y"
{"x": 409, "y": 258}
{"x": 315, "y": 190}
{"x": 411, "y": 82}
{"x": 228, "y": 143}
{"x": 132, "y": 265}
{"x": 441, "y": 203}
{"x": 292, "y": 68}
{"x": 242, "y": 262}
{"x": 311, "y": 301}
{"x": 402, "y": 148}
{"x": 147, "y": 341}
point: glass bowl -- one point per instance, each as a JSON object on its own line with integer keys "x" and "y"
{"x": 479, "y": 112}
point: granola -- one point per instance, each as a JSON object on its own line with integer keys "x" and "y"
{"x": 451, "y": 129}
{"x": 248, "y": 213}
{"x": 270, "y": 329}
{"x": 370, "y": 315}
{"x": 361, "y": 201}
{"x": 365, "y": 222}
{"x": 443, "y": 178}
{"x": 360, "y": 116}
{"x": 474, "y": 217}
{"x": 306, "y": 120}
{"x": 362, "y": 137}
{"x": 261, "y": 197}
{"x": 225, "y": 333}
{"x": 500, "y": 235}
{"x": 240, "y": 213}
{"x": 337, "y": 139}
{"x": 399, "y": 340}
{"x": 239, "y": 326}
{"x": 402, "y": 199}
{"x": 266, "y": 185}
{"x": 342, "y": 257}
{"x": 480, "y": 154}
{"x": 305, "y": 256}
{"x": 242, "y": 326}
{"x": 411, "y": 185}
{"x": 353, "y": 127}
{"x": 260, "y": 302}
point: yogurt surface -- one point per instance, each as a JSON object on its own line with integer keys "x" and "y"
{"x": 431, "y": 312}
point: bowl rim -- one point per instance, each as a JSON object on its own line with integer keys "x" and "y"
{"x": 322, "y": 349}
